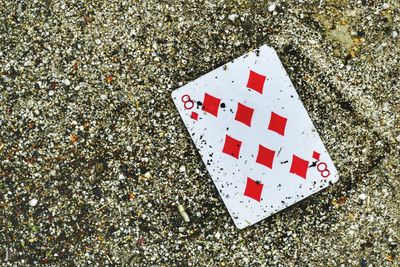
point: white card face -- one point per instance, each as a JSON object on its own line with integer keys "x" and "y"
{"x": 255, "y": 136}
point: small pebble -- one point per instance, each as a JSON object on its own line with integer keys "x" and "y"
{"x": 147, "y": 175}
{"x": 103, "y": 97}
{"x": 6, "y": 78}
{"x": 181, "y": 229}
{"x": 51, "y": 93}
{"x": 33, "y": 202}
{"x": 66, "y": 82}
{"x": 232, "y": 17}
{"x": 182, "y": 169}
{"x": 272, "y": 7}
{"x": 362, "y": 196}
{"x": 129, "y": 148}
{"x": 363, "y": 263}
{"x": 182, "y": 211}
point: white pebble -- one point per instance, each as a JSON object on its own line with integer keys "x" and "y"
{"x": 398, "y": 138}
{"x": 385, "y": 6}
{"x": 51, "y": 93}
{"x": 66, "y": 82}
{"x": 271, "y": 8}
{"x": 33, "y": 202}
{"x": 147, "y": 175}
{"x": 98, "y": 41}
{"x": 6, "y": 79}
{"x": 232, "y": 17}
{"x": 181, "y": 229}
{"x": 362, "y": 196}
{"x": 129, "y": 148}
{"x": 182, "y": 169}
{"x": 121, "y": 176}
{"x": 103, "y": 97}
{"x": 217, "y": 235}
{"x": 28, "y": 63}
{"x": 183, "y": 213}
{"x": 395, "y": 34}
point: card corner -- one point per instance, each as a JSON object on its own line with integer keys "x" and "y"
{"x": 173, "y": 93}
{"x": 335, "y": 180}
{"x": 240, "y": 227}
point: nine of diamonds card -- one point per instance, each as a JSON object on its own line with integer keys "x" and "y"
{"x": 255, "y": 136}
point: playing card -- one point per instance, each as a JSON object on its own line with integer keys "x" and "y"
{"x": 255, "y": 136}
